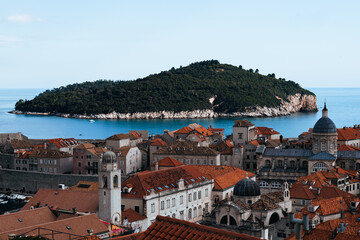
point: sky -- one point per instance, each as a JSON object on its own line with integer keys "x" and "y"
{"x": 48, "y": 44}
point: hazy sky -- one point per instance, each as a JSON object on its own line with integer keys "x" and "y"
{"x": 46, "y": 44}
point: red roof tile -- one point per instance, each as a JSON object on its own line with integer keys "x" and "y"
{"x": 348, "y": 133}
{"x": 345, "y": 147}
{"x": 158, "y": 142}
{"x": 169, "y": 162}
{"x": 171, "y": 228}
{"x": 184, "y": 130}
{"x": 131, "y": 215}
{"x": 265, "y": 131}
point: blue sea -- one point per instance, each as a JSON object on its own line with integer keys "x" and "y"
{"x": 343, "y": 105}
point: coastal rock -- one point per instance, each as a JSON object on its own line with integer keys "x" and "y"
{"x": 293, "y": 103}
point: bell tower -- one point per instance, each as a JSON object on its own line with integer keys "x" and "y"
{"x": 110, "y": 189}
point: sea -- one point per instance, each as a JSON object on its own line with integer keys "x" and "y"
{"x": 343, "y": 105}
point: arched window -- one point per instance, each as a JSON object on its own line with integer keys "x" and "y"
{"x": 116, "y": 181}
{"x": 189, "y": 214}
{"x": 323, "y": 146}
{"x": 264, "y": 184}
{"x": 199, "y": 211}
{"x": 276, "y": 185}
{"x": 292, "y": 164}
{"x": 280, "y": 163}
{"x": 195, "y": 212}
{"x": 173, "y": 215}
{"x": 104, "y": 181}
{"x": 319, "y": 167}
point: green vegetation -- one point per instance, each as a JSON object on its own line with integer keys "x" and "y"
{"x": 183, "y": 89}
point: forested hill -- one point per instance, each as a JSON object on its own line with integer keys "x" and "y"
{"x": 182, "y": 89}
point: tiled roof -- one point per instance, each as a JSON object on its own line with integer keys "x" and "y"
{"x": 98, "y": 151}
{"x": 85, "y": 186}
{"x": 345, "y": 147}
{"x": 264, "y": 203}
{"x": 287, "y": 152}
{"x": 123, "y": 150}
{"x": 47, "y": 153}
{"x": 76, "y": 225}
{"x": 348, "y": 154}
{"x": 25, "y": 219}
{"x": 186, "y": 148}
{"x": 119, "y": 136}
{"x": 215, "y": 129}
{"x": 171, "y": 228}
{"x": 224, "y": 176}
{"x": 243, "y": 123}
{"x": 301, "y": 192}
{"x": 265, "y": 131}
{"x": 63, "y": 142}
{"x": 271, "y": 143}
{"x": 131, "y": 215}
{"x": 144, "y": 183}
{"x": 169, "y": 162}
{"x": 19, "y": 144}
{"x": 133, "y": 236}
{"x": 348, "y": 133}
{"x": 158, "y": 142}
{"x": 323, "y": 156}
{"x": 85, "y": 146}
{"x": 225, "y": 148}
{"x": 254, "y": 142}
{"x": 330, "y": 206}
{"x": 203, "y": 131}
{"x": 65, "y": 200}
{"x": 184, "y": 130}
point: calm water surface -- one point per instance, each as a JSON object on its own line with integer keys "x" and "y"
{"x": 343, "y": 105}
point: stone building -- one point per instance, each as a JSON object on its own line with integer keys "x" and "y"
{"x": 86, "y": 158}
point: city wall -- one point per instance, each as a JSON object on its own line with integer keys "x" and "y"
{"x": 30, "y": 182}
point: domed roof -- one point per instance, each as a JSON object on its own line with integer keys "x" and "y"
{"x": 324, "y": 125}
{"x": 246, "y": 187}
{"x": 109, "y": 157}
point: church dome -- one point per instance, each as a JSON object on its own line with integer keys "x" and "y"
{"x": 246, "y": 187}
{"x": 109, "y": 157}
{"x": 324, "y": 125}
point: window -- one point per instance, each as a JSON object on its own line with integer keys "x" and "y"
{"x": 45, "y": 161}
{"x": 40, "y": 161}
{"x": 121, "y": 162}
{"x": 191, "y": 161}
{"x": 316, "y": 146}
{"x": 173, "y": 215}
{"x": 162, "y": 205}
{"x": 240, "y": 135}
{"x": 189, "y": 197}
{"x": 182, "y": 215}
{"x": 331, "y": 146}
{"x": 276, "y": 185}
{"x": 199, "y": 194}
{"x": 173, "y": 202}
{"x": 342, "y": 165}
{"x": 211, "y": 162}
{"x": 198, "y": 162}
{"x": 264, "y": 184}
{"x": 137, "y": 209}
{"x": 323, "y": 146}
{"x": 50, "y": 162}
{"x": 195, "y": 212}
{"x": 319, "y": 167}
{"x": 181, "y": 199}
{"x": 305, "y": 164}
{"x": 206, "y": 192}
{"x": 189, "y": 214}
{"x": 79, "y": 164}
{"x": 168, "y": 203}
{"x": 54, "y": 170}
{"x": 199, "y": 211}
{"x": 205, "y": 162}
{"x": 292, "y": 164}
{"x": 267, "y": 163}
{"x": 194, "y": 196}
{"x": 54, "y": 162}
{"x": 280, "y": 163}
{"x": 50, "y": 169}
{"x": 152, "y": 207}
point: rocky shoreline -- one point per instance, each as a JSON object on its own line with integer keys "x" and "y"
{"x": 294, "y": 103}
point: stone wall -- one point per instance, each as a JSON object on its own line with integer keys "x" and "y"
{"x": 31, "y": 182}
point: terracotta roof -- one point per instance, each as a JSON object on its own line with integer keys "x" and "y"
{"x": 85, "y": 146}
{"x": 345, "y": 147}
{"x": 224, "y": 176}
{"x": 76, "y": 225}
{"x": 186, "y": 148}
{"x": 301, "y": 192}
{"x": 254, "y": 142}
{"x": 19, "y": 144}
{"x": 63, "y": 142}
{"x": 158, "y": 142}
{"x": 225, "y": 148}
{"x": 123, "y": 150}
{"x": 65, "y": 200}
{"x": 264, "y": 203}
{"x": 85, "y": 186}
{"x": 215, "y": 129}
{"x": 47, "y": 153}
{"x": 243, "y": 123}
{"x": 23, "y": 219}
{"x": 144, "y": 183}
{"x": 133, "y": 236}
{"x": 203, "y": 131}
{"x": 169, "y": 162}
{"x": 171, "y": 228}
{"x": 119, "y": 136}
{"x": 265, "y": 131}
{"x": 271, "y": 143}
{"x": 348, "y": 133}
{"x": 184, "y": 130}
{"x": 98, "y": 151}
{"x": 131, "y": 215}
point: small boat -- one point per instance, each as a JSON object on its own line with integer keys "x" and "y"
{"x": 91, "y": 120}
